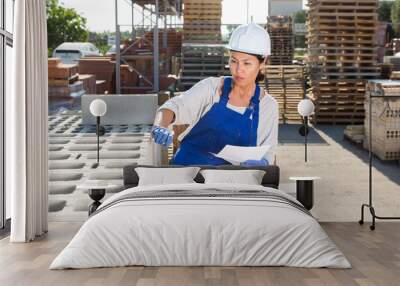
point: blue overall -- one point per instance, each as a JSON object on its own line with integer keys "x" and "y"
{"x": 220, "y": 126}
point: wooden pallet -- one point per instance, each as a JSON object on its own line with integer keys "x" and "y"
{"x": 201, "y": 61}
{"x": 286, "y": 84}
{"x": 202, "y": 21}
{"x": 282, "y": 40}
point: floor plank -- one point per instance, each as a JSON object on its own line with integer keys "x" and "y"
{"x": 375, "y": 257}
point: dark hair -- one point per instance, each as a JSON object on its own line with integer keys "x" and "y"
{"x": 260, "y": 76}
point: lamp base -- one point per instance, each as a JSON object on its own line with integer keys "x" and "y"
{"x": 96, "y": 195}
{"x": 304, "y": 130}
{"x": 305, "y": 193}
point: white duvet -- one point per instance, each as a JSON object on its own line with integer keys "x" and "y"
{"x": 200, "y": 231}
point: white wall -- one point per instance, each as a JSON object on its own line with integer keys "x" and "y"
{"x": 284, "y": 7}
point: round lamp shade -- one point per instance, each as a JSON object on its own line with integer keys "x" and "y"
{"x": 305, "y": 107}
{"x": 98, "y": 107}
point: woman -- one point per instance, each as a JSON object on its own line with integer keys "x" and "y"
{"x": 226, "y": 110}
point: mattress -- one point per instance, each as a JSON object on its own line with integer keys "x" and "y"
{"x": 201, "y": 225}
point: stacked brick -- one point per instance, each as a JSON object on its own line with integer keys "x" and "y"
{"x": 385, "y": 118}
{"x": 63, "y": 79}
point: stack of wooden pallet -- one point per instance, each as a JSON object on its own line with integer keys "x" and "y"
{"x": 202, "y": 21}
{"x": 342, "y": 56}
{"x": 282, "y": 40}
{"x": 201, "y": 61}
{"x": 63, "y": 79}
{"x": 286, "y": 85}
{"x": 385, "y": 119}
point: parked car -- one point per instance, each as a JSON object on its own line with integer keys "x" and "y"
{"x": 112, "y": 50}
{"x": 70, "y": 53}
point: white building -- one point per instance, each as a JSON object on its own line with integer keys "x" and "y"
{"x": 284, "y": 7}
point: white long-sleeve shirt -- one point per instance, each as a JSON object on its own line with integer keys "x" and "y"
{"x": 193, "y": 104}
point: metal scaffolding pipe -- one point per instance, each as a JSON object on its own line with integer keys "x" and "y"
{"x": 155, "y": 51}
{"x": 118, "y": 61}
{"x": 117, "y": 53}
{"x": 165, "y": 35}
{"x": 143, "y": 16}
{"x": 133, "y": 21}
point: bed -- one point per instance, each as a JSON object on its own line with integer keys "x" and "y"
{"x": 201, "y": 224}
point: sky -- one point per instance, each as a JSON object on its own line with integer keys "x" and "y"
{"x": 100, "y": 13}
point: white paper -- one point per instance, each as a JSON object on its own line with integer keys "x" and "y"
{"x": 238, "y": 154}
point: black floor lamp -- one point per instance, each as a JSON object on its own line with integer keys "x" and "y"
{"x": 98, "y": 108}
{"x": 369, "y": 205}
{"x": 305, "y": 109}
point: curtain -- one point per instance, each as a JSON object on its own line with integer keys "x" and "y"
{"x": 26, "y": 123}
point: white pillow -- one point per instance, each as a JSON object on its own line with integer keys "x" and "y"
{"x": 166, "y": 176}
{"x": 248, "y": 177}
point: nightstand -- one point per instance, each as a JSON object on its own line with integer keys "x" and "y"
{"x": 305, "y": 190}
{"x": 96, "y": 191}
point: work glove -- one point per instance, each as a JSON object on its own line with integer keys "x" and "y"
{"x": 161, "y": 135}
{"x": 252, "y": 163}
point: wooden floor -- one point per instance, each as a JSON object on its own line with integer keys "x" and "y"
{"x": 375, "y": 257}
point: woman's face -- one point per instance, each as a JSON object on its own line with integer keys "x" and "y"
{"x": 244, "y": 68}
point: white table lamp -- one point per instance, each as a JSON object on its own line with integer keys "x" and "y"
{"x": 305, "y": 109}
{"x": 98, "y": 108}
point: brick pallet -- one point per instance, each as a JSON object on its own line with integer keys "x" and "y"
{"x": 342, "y": 57}
{"x": 174, "y": 40}
{"x": 202, "y": 21}
{"x": 63, "y": 79}
{"x": 89, "y": 83}
{"x": 201, "y": 61}
{"x": 282, "y": 40}
{"x": 286, "y": 84}
{"x": 103, "y": 69}
{"x": 385, "y": 119}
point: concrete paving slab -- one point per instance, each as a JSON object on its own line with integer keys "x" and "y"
{"x": 73, "y": 157}
{"x": 343, "y": 168}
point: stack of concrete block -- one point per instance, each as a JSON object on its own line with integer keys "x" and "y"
{"x": 385, "y": 114}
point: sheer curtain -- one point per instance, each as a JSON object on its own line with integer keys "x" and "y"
{"x": 26, "y": 123}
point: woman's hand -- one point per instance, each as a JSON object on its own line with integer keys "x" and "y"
{"x": 251, "y": 163}
{"x": 161, "y": 135}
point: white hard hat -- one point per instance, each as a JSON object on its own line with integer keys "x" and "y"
{"x": 250, "y": 39}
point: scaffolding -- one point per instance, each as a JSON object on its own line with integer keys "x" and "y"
{"x": 159, "y": 10}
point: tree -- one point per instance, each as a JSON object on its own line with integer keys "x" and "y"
{"x": 64, "y": 25}
{"x": 300, "y": 16}
{"x": 384, "y": 11}
{"x": 395, "y": 12}
{"x": 100, "y": 41}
